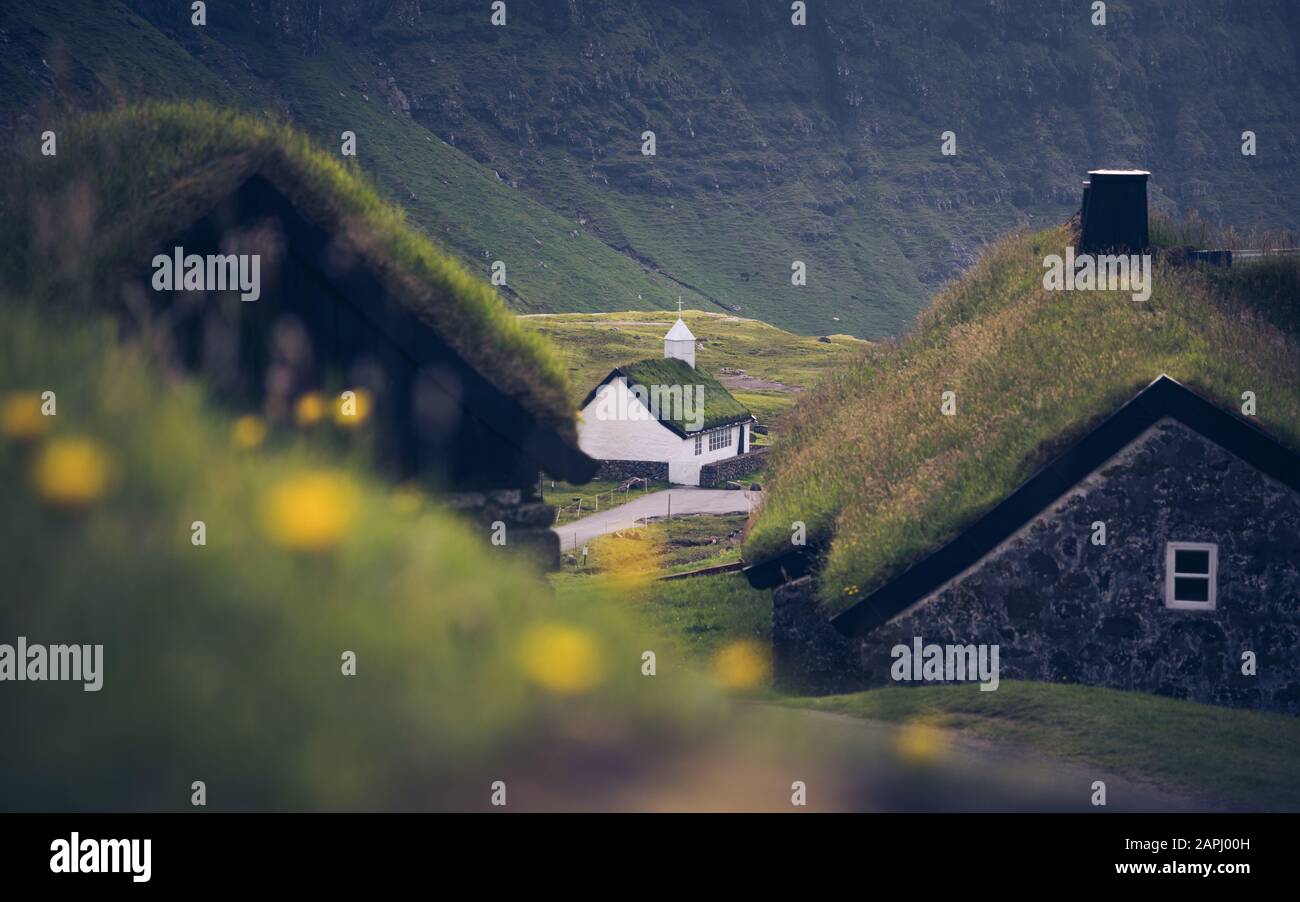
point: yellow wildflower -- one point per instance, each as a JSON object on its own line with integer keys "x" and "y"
{"x": 248, "y": 431}
{"x": 920, "y": 743}
{"x": 562, "y": 659}
{"x": 72, "y": 472}
{"x": 310, "y": 512}
{"x": 742, "y": 665}
{"x": 309, "y": 409}
{"x": 353, "y": 408}
{"x": 21, "y": 418}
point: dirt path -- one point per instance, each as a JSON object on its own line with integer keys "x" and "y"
{"x": 746, "y": 382}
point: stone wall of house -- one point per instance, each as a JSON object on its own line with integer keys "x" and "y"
{"x": 1063, "y": 609}
{"x": 717, "y": 475}
{"x": 808, "y": 655}
{"x": 620, "y": 470}
{"x": 527, "y": 522}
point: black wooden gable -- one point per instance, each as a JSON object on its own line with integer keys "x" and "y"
{"x": 434, "y": 414}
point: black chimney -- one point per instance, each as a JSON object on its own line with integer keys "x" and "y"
{"x": 1115, "y": 211}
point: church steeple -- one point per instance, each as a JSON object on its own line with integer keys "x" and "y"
{"x": 679, "y": 343}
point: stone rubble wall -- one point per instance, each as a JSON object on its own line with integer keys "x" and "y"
{"x": 716, "y": 475}
{"x": 1062, "y": 609}
{"x": 622, "y": 470}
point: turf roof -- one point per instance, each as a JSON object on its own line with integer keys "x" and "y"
{"x": 126, "y": 180}
{"x": 881, "y": 478}
{"x": 720, "y": 408}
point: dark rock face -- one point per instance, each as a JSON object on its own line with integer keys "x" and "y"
{"x": 1063, "y": 609}
{"x": 716, "y": 475}
{"x": 296, "y": 22}
{"x": 808, "y": 655}
{"x": 847, "y": 113}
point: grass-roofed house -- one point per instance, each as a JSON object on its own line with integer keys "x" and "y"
{"x": 667, "y": 419}
{"x": 1110, "y": 494}
{"x": 444, "y": 384}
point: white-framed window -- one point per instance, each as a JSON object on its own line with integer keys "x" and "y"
{"x": 720, "y": 438}
{"x": 1191, "y": 575}
{"x": 699, "y": 443}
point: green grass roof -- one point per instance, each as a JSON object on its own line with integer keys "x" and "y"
{"x": 881, "y": 478}
{"x": 720, "y": 408}
{"x": 127, "y": 180}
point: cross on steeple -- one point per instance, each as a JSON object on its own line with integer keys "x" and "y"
{"x": 679, "y": 343}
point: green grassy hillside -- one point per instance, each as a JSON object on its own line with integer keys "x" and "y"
{"x": 765, "y": 368}
{"x": 104, "y": 53}
{"x": 822, "y": 143}
{"x": 880, "y": 477}
{"x": 775, "y": 143}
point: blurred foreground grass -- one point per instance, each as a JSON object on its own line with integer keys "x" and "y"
{"x": 223, "y": 662}
{"x": 1246, "y": 758}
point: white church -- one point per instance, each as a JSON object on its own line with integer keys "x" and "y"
{"x": 663, "y": 411}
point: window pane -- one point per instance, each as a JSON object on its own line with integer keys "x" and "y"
{"x": 1191, "y": 588}
{"x": 1189, "y": 561}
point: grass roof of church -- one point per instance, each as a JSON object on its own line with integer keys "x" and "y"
{"x": 127, "y": 180}
{"x": 720, "y": 408}
{"x": 881, "y": 479}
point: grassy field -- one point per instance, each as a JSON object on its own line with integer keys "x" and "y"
{"x": 697, "y": 617}
{"x": 673, "y": 546}
{"x": 707, "y": 614}
{"x": 875, "y": 470}
{"x": 597, "y": 495}
{"x": 700, "y": 540}
{"x": 1242, "y": 757}
{"x": 776, "y": 364}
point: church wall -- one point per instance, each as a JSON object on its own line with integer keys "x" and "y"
{"x": 686, "y": 449}
{"x": 632, "y": 438}
{"x": 625, "y": 439}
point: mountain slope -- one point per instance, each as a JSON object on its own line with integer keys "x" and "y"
{"x": 822, "y": 144}
{"x": 775, "y": 143}
{"x": 129, "y": 179}
{"x": 87, "y": 55}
